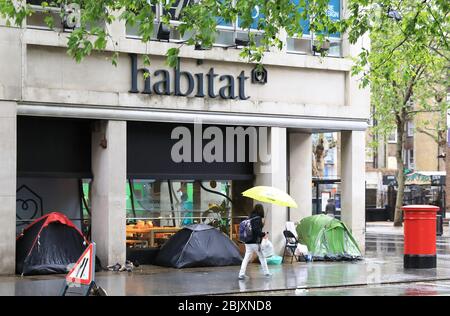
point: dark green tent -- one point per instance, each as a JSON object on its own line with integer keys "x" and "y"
{"x": 327, "y": 238}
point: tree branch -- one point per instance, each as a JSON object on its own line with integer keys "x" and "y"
{"x": 444, "y": 37}
{"x": 404, "y": 39}
{"x": 439, "y": 53}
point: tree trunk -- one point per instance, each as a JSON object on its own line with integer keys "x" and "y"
{"x": 400, "y": 173}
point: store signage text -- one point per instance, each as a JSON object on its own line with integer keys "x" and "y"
{"x": 201, "y": 84}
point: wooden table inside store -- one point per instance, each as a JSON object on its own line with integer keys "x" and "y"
{"x": 149, "y": 233}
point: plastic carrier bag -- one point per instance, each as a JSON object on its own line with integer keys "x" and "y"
{"x": 274, "y": 260}
{"x": 266, "y": 248}
{"x": 301, "y": 250}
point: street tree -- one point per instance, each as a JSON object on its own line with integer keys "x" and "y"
{"x": 197, "y": 21}
{"x": 407, "y": 68}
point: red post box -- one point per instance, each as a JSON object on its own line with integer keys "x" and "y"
{"x": 420, "y": 236}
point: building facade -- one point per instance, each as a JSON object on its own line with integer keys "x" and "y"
{"x": 424, "y": 153}
{"x": 63, "y": 124}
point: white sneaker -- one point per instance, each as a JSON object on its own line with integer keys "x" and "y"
{"x": 242, "y": 277}
{"x": 268, "y": 274}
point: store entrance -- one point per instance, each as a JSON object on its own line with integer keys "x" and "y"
{"x": 163, "y": 196}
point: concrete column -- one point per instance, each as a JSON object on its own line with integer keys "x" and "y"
{"x": 353, "y": 183}
{"x": 8, "y": 152}
{"x": 109, "y": 153}
{"x": 273, "y": 173}
{"x": 300, "y": 174}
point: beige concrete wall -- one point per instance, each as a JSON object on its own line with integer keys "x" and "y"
{"x": 108, "y": 190}
{"x": 353, "y": 180}
{"x": 52, "y": 76}
{"x": 300, "y": 174}
{"x": 10, "y": 63}
{"x": 8, "y": 123}
{"x": 273, "y": 173}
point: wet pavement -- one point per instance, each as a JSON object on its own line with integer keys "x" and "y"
{"x": 380, "y": 273}
{"x": 441, "y": 288}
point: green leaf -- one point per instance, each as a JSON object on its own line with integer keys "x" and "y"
{"x": 172, "y": 57}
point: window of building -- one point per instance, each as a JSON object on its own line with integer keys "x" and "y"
{"x": 410, "y": 159}
{"x": 37, "y": 19}
{"x": 410, "y": 127}
{"x": 304, "y": 44}
{"x": 41, "y": 14}
{"x": 392, "y": 137}
{"x": 132, "y": 31}
{"x": 369, "y": 154}
{"x": 227, "y": 32}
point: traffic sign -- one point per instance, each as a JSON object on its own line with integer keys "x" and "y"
{"x": 84, "y": 269}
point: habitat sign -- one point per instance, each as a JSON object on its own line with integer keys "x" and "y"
{"x": 211, "y": 84}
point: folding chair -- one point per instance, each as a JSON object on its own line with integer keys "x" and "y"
{"x": 291, "y": 244}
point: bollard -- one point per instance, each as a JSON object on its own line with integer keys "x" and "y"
{"x": 420, "y": 236}
{"x": 439, "y": 225}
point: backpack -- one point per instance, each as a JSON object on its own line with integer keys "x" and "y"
{"x": 246, "y": 230}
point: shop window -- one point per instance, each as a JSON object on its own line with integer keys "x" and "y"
{"x": 157, "y": 209}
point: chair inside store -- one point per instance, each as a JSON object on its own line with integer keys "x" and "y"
{"x": 137, "y": 234}
{"x": 144, "y": 234}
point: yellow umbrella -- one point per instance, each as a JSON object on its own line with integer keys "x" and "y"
{"x": 270, "y": 195}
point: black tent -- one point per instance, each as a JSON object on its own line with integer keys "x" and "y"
{"x": 198, "y": 246}
{"x": 49, "y": 245}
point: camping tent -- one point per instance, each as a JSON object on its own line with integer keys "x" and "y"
{"x": 198, "y": 245}
{"x": 48, "y": 245}
{"x": 327, "y": 238}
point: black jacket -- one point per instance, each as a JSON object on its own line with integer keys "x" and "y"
{"x": 257, "y": 226}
